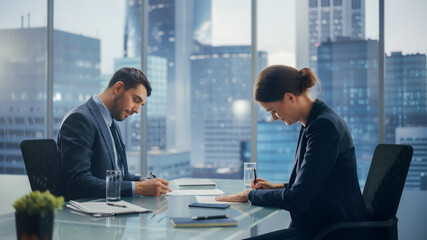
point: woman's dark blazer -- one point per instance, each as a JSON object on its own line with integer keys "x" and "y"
{"x": 323, "y": 187}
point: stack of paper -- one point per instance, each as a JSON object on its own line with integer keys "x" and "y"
{"x": 102, "y": 209}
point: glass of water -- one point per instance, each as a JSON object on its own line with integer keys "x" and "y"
{"x": 113, "y": 181}
{"x": 248, "y": 173}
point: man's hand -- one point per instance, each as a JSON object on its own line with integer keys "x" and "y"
{"x": 238, "y": 197}
{"x": 152, "y": 187}
{"x": 264, "y": 184}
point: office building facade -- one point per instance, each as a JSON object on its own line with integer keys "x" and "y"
{"x": 321, "y": 21}
{"x": 156, "y": 105}
{"x": 417, "y": 138}
{"x": 276, "y": 147}
{"x": 405, "y": 92}
{"x": 23, "y": 80}
{"x": 221, "y": 92}
{"x": 173, "y": 26}
{"x": 348, "y": 72}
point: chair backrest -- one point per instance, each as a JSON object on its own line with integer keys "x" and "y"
{"x": 41, "y": 159}
{"x": 386, "y": 179}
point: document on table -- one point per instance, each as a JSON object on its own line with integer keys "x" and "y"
{"x": 190, "y": 222}
{"x": 211, "y": 200}
{"x": 102, "y": 209}
{"x": 194, "y": 182}
{"x": 196, "y": 192}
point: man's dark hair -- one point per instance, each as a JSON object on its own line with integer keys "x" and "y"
{"x": 130, "y": 77}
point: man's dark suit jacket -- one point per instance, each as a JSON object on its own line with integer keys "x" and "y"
{"x": 86, "y": 150}
{"x": 323, "y": 187}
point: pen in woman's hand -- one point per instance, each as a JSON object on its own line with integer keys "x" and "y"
{"x": 152, "y": 174}
{"x": 254, "y": 176}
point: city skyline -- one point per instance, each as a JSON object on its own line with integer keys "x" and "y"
{"x": 280, "y": 46}
{"x": 211, "y": 84}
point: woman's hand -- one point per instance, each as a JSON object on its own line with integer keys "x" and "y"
{"x": 238, "y": 197}
{"x": 264, "y": 184}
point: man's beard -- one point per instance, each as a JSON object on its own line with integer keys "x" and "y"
{"x": 115, "y": 111}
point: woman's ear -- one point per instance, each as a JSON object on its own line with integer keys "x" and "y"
{"x": 290, "y": 97}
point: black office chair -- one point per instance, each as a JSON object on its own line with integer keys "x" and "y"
{"x": 382, "y": 192}
{"x": 41, "y": 159}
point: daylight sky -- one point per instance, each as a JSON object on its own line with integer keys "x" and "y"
{"x": 104, "y": 19}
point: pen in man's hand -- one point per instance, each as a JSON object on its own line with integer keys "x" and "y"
{"x": 209, "y": 217}
{"x": 116, "y": 205}
{"x": 152, "y": 174}
{"x": 254, "y": 176}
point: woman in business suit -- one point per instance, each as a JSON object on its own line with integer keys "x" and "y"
{"x": 323, "y": 187}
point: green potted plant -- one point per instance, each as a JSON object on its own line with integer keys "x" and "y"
{"x": 34, "y": 214}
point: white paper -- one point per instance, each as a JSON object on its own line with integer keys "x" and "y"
{"x": 196, "y": 192}
{"x": 211, "y": 200}
{"x": 194, "y": 182}
{"x": 99, "y": 209}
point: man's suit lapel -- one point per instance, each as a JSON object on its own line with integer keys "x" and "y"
{"x": 103, "y": 128}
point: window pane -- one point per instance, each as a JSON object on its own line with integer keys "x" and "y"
{"x": 346, "y": 61}
{"x": 88, "y": 49}
{"x": 200, "y": 56}
{"x": 23, "y": 47}
{"x": 405, "y": 97}
{"x": 276, "y": 142}
{"x": 335, "y": 41}
{"x": 220, "y": 91}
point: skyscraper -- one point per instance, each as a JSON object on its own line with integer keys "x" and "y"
{"x": 276, "y": 146}
{"x": 326, "y": 20}
{"x": 348, "y": 71}
{"x": 405, "y": 107}
{"x": 156, "y": 105}
{"x": 405, "y": 102}
{"x": 417, "y": 138}
{"x": 161, "y": 43}
{"x": 23, "y": 85}
{"x": 221, "y": 92}
{"x": 172, "y": 28}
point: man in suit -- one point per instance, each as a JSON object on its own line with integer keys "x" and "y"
{"x": 90, "y": 141}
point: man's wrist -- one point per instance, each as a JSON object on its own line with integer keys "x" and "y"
{"x": 133, "y": 188}
{"x": 250, "y": 195}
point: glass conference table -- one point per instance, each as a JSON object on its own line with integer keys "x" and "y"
{"x": 155, "y": 224}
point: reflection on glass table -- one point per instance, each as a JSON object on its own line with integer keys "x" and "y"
{"x": 154, "y": 224}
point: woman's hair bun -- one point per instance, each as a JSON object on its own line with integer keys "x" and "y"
{"x": 307, "y": 79}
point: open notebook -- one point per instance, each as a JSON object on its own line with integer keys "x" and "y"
{"x": 102, "y": 209}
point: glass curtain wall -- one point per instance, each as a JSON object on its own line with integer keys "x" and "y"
{"x": 199, "y": 63}
{"x": 23, "y": 77}
{"x": 201, "y": 120}
{"x": 338, "y": 40}
{"x": 405, "y": 98}
{"x": 276, "y": 142}
{"x": 345, "y": 38}
{"x": 88, "y": 49}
